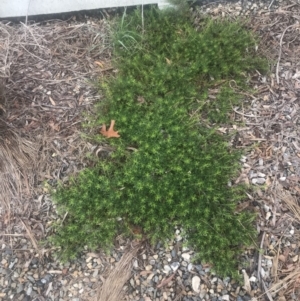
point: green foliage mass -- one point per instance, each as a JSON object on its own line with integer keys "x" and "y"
{"x": 170, "y": 167}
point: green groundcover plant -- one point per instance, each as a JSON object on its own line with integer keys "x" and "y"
{"x": 170, "y": 167}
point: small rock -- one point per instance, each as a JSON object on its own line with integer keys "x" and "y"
{"x": 196, "y": 284}
{"x": 225, "y": 297}
{"x": 178, "y": 238}
{"x": 259, "y": 181}
{"x": 131, "y": 282}
{"x": 261, "y": 175}
{"x": 263, "y": 273}
{"x": 96, "y": 272}
{"x": 253, "y": 279}
{"x": 167, "y": 269}
{"x": 152, "y": 261}
{"x": 184, "y": 263}
{"x": 149, "y": 267}
{"x": 186, "y": 256}
{"x": 175, "y": 266}
{"x": 4, "y": 262}
{"x": 190, "y": 267}
{"x": 135, "y": 264}
{"x": 199, "y": 267}
{"x": 243, "y": 159}
{"x": 88, "y": 259}
{"x": 20, "y": 288}
{"x": 29, "y": 290}
{"x": 31, "y": 279}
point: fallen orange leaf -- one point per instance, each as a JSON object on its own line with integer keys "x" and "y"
{"x": 110, "y": 133}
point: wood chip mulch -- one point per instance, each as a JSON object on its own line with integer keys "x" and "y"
{"x": 50, "y": 71}
{"x": 270, "y": 132}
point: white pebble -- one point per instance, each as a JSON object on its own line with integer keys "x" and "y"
{"x": 178, "y": 238}
{"x": 259, "y": 181}
{"x": 186, "y": 256}
{"x": 263, "y": 273}
{"x": 196, "y": 284}
{"x": 175, "y": 266}
{"x": 261, "y": 175}
{"x": 135, "y": 264}
{"x": 252, "y": 279}
{"x": 167, "y": 269}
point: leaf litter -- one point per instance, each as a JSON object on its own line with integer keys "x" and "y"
{"x": 270, "y": 127}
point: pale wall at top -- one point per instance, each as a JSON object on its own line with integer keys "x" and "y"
{"x": 18, "y": 8}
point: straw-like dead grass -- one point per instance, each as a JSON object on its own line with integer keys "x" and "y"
{"x": 112, "y": 288}
{"x": 48, "y": 69}
{"x": 16, "y": 160}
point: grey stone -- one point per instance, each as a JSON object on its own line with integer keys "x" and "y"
{"x": 29, "y": 290}
{"x": 152, "y": 261}
{"x": 20, "y": 288}
{"x": 198, "y": 267}
{"x": 190, "y": 267}
{"x": 184, "y": 263}
{"x": 8, "y": 251}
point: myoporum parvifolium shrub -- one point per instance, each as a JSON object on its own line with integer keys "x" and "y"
{"x": 169, "y": 167}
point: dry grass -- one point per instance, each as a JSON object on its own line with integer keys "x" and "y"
{"x": 16, "y": 160}
{"x": 112, "y": 288}
{"x": 48, "y": 69}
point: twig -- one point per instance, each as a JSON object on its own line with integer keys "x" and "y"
{"x": 166, "y": 281}
{"x": 252, "y": 116}
{"x": 33, "y": 240}
{"x": 259, "y": 257}
{"x": 14, "y": 235}
{"x": 270, "y": 4}
{"x": 267, "y": 291}
{"x": 280, "y": 52}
